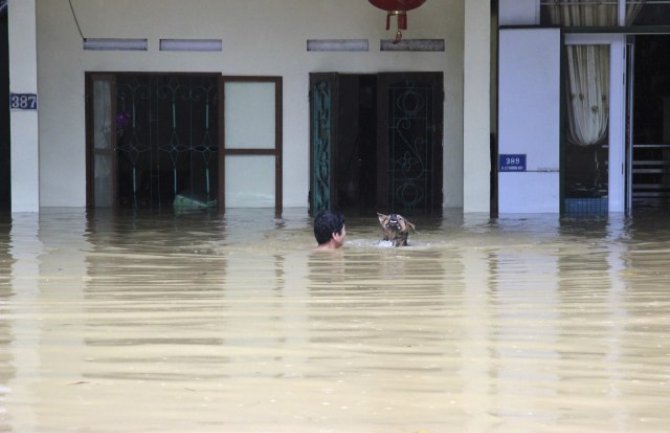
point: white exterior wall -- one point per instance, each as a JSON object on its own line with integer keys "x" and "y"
{"x": 529, "y": 115}
{"x": 260, "y": 37}
{"x": 476, "y": 106}
{"x": 23, "y": 124}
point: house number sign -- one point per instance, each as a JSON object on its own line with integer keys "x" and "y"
{"x": 23, "y": 101}
{"x": 516, "y": 162}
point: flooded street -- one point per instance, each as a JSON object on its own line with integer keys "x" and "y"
{"x": 201, "y": 323}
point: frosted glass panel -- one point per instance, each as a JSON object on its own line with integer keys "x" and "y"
{"x": 102, "y": 115}
{"x": 250, "y": 181}
{"x": 250, "y": 115}
{"x": 102, "y": 144}
{"x": 103, "y": 181}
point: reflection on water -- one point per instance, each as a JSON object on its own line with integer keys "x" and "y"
{"x": 200, "y": 323}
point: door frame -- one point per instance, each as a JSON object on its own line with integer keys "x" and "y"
{"x": 275, "y": 152}
{"x": 384, "y": 80}
{"x": 629, "y": 119}
{"x": 617, "y": 160}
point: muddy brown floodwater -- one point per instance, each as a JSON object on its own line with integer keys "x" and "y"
{"x": 202, "y": 323}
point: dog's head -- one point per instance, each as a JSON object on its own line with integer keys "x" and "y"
{"x": 395, "y": 228}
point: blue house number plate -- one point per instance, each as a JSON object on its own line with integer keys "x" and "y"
{"x": 23, "y": 101}
{"x": 512, "y": 162}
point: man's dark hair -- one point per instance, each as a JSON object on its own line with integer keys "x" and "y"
{"x": 326, "y": 223}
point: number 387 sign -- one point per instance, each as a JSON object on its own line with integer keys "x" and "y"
{"x": 23, "y": 101}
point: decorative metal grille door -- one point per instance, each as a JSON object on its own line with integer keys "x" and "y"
{"x": 323, "y": 129}
{"x": 410, "y": 137}
{"x": 165, "y": 141}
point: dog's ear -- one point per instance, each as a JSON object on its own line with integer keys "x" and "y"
{"x": 405, "y": 225}
{"x": 410, "y": 225}
{"x": 382, "y": 218}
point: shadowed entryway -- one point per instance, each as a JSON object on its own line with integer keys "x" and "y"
{"x": 376, "y": 142}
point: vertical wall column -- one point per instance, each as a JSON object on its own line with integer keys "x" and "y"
{"x": 529, "y": 129}
{"x": 476, "y": 106}
{"x": 24, "y": 135}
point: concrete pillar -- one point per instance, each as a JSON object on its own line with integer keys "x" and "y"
{"x": 24, "y": 129}
{"x": 477, "y": 106}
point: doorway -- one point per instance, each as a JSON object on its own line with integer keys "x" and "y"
{"x": 650, "y": 151}
{"x": 153, "y": 140}
{"x": 376, "y": 142}
{"x": 586, "y": 129}
{"x": 183, "y": 141}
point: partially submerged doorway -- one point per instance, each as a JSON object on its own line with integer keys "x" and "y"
{"x": 376, "y": 142}
{"x": 184, "y": 141}
{"x": 153, "y": 140}
{"x": 650, "y": 153}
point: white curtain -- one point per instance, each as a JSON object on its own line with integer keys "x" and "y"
{"x": 588, "y": 93}
{"x": 633, "y": 8}
{"x": 577, "y": 13}
{"x": 588, "y": 66}
{"x": 582, "y": 13}
{"x": 588, "y": 70}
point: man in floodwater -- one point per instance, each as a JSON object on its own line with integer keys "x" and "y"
{"x": 329, "y": 230}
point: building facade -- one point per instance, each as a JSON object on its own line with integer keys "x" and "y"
{"x": 582, "y": 106}
{"x": 234, "y": 104}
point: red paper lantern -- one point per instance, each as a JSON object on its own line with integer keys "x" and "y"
{"x": 397, "y": 8}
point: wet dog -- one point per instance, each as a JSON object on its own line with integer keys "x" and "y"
{"x": 395, "y": 228}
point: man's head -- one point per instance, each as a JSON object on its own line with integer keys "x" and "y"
{"x": 329, "y": 229}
